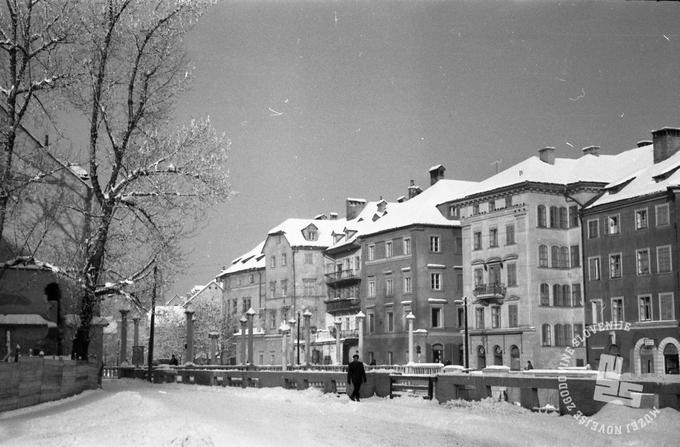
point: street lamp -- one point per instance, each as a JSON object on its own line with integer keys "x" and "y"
{"x": 464, "y": 302}
{"x": 308, "y": 347}
{"x": 410, "y": 317}
{"x": 250, "y": 314}
{"x": 243, "y": 322}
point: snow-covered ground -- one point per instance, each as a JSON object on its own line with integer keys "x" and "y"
{"x": 135, "y": 413}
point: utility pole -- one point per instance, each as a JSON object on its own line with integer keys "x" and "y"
{"x": 298, "y": 338}
{"x": 152, "y": 323}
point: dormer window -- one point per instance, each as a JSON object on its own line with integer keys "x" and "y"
{"x": 310, "y": 233}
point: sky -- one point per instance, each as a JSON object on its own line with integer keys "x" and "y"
{"x": 325, "y": 100}
{"x": 130, "y": 412}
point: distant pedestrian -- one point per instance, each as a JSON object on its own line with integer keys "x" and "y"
{"x": 174, "y": 361}
{"x": 529, "y": 365}
{"x": 356, "y": 375}
{"x": 16, "y": 353}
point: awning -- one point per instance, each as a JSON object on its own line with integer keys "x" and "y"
{"x": 25, "y": 320}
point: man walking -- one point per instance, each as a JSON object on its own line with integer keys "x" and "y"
{"x": 356, "y": 375}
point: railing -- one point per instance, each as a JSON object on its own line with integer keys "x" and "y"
{"x": 342, "y": 304}
{"x": 419, "y": 368}
{"x": 349, "y": 333}
{"x": 351, "y": 274}
{"x": 110, "y": 372}
{"x": 490, "y": 291}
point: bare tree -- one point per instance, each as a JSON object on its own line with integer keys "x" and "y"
{"x": 34, "y": 35}
{"x": 150, "y": 182}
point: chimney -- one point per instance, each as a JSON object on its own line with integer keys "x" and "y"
{"x": 353, "y": 207}
{"x": 333, "y": 216}
{"x": 382, "y": 205}
{"x": 547, "y": 155}
{"x": 643, "y": 143}
{"x": 666, "y": 142}
{"x": 594, "y": 150}
{"x": 436, "y": 173}
{"x": 413, "y": 190}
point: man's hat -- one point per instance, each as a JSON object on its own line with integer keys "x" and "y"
{"x": 355, "y": 356}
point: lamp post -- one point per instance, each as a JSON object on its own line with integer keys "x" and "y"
{"x": 464, "y": 302}
{"x": 410, "y": 317}
{"x": 189, "y": 355}
{"x": 292, "y": 324}
{"x": 250, "y": 315}
{"x": 338, "y": 350}
{"x": 360, "y": 329}
{"x": 123, "y": 335}
{"x": 308, "y": 348}
{"x": 243, "y": 322}
{"x": 298, "y": 338}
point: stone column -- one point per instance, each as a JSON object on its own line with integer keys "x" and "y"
{"x": 213, "y": 345}
{"x": 307, "y": 315}
{"x": 189, "y": 354}
{"x": 291, "y": 323}
{"x": 284, "y": 345}
{"x": 123, "y": 335}
{"x": 135, "y": 322}
{"x": 338, "y": 347}
{"x": 360, "y": 328}
{"x": 410, "y": 317}
{"x": 243, "y": 322}
{"x": 251, "y": 316}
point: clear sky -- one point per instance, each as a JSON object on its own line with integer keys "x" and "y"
{"x": 328, "y": 100}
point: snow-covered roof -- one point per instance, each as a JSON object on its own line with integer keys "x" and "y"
{"x": 293, "y": 230}
{"x": 422, "y": 209}
{"x": 588, "y": 168}
{"x": 200, "y": 290}
{"x": 25, "y": 320}
{"x": 649, "y": 178}
{"x": 253, "y": 259}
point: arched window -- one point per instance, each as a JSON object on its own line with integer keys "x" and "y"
{"x": 546, "y": 335}
{"x": 554, "y": 256}
{"x": 542, "y": 256}
{"x": 541, "y": 216}
{"x": 558, "y": 335}
{"x": 497, "y": 355}
{"x": 566, "y": 295}
{"x": 564, "y": 217}
{"x": 514, "y": 358}
{"x": 554, "y": 217}
{"x": 564, "y": 257}
{"x": 481, "y": 357}
{"x": 557, "y": 297}
{"x": 545, "y": 295}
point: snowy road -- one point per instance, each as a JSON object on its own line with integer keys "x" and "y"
{"x": 135, "y": 413}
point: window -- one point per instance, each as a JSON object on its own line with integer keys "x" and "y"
{"x": 371, "y": 252}
{"x": 575, "y": 256}
{"x": 251, "y": 278}
{"x": 663, "y": 259}
{"x": 641, "y": 219}
{"x": 542, "y": 256}
{"x": 272, "y": 262}
{"x": 642, "y": 261}
{"x": 554, "y": 217}
{"x": 309, "y": 287}
{"x": 477, "y": 240}
{"x": 272, "y": 289}
{"x": 555, "y": 256}
{"x": 566, "y": 295}
{"x": 461, "y": 317}
{"x": 389, "y": 317}
{"x": 475, "y": 209}
{"x": 435, "y": 281}
{"x": 662, "y": 216}
{"x": 508, "y": 201}
{"x": 436, "y": 313}
{"x": 557, "y": 295}
{"x": 645, "y": 304}
{"x": 492, "y": 205}
{"x": 310, "y": 233}
{"x": 594, "y": 268}
{"x": 407, "y": 245}
{"x": 434, "y": 244}
{"x": 459, "y": 282}
{"x": 593, "y": 228}
{"x": 545, "y": 294}
{"x": 272, "y": 319}
{"x": 407, "y": 284}
{"x": 573, "y": 216}
{"x": 459, "y": 245}
{"x": 596, "y": 311}
{"x": 309, "y": 258}
{"x": 541, "y": 216}
{"x": 284, "y": 287}
{"x": 615, "y": 265}
{"x": 388, "y": 249}
{"x": 371, "y": 288}
{"x": 493, "y": 237}
{"x": 495, "y": 316}
{"x": 453, "y": 211}
{"x": 617, "y": 309}
{"x": 578, "y": 330}
{"x": 390, "y": 358}
{"x": 564, "y": 257}
{"x": 479, "y": 277}
{"x": 576, "y": 294}
{"x": 245, "y": 304}
{"x": 558, "y": 335}
{"x": 389, "y": 288}
{"x": 283, "y": 259}
{"x": 512, "y": 315}
{"x": 546, "y": 335}
{"x": 512, "y": 274}
{"x": 564, "y": 217}
{"x": 371, "y": 322}
{"x": 666, "y": 306}
{"x": 613, "y": 226}
{"x": 509, "y": 234}
{"x": 479, "y": 317}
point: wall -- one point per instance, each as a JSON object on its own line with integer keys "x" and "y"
{"x": 36, "y": 380}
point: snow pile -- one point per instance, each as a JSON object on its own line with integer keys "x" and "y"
{"x": 488, "y": 405}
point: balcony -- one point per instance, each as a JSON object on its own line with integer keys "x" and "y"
{"x": 349, "y": 333}
{"x": 490, "y": 293}
{"x": 343, "y": 305}
{"x": 343, "y": 277}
